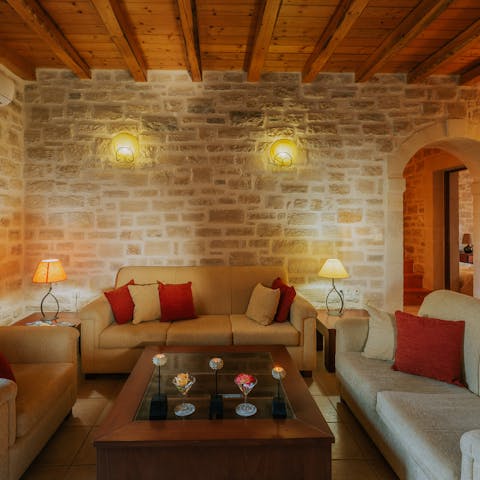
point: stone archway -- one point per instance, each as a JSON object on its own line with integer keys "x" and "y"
{"x": 461, "y": 138}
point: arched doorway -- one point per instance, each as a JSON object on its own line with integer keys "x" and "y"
{"x": 460, "y": 138}
{"x": 437, "y": 212}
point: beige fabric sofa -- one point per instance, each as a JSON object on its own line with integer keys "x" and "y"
{"x": 426, "y": 429}
{"x": 44, "y": 362}
{"x": 221, "y": 295}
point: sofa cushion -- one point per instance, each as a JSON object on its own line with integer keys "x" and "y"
{"x": 263, "y": 304}
{"x": 249, "y": 332}
{"x": 130, "y": 335}
{"x": 37, "y": 384}
{"x": 430, "y": 426}
{"x": 203, "y": 330}
{"x": 121, "y": 303}
{"x": 366, "y": 376}
{"x": 176, "y": 301}
{"x": 381, "y": 334}
{"x": 147, "y": 302}
{"x": 429, "y": 347}
{"x": 287, "y": 295}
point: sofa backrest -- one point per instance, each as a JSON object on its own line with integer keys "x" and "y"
{"x": 216, "y": 289}
{"x": 449, "y": 305}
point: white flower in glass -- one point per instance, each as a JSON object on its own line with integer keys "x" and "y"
{"x": 160, "y": 359}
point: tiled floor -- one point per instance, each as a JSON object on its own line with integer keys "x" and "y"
{"x": 70, "y": 454}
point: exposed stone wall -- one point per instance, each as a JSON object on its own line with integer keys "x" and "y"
{"x": 413, "y": 211}
{"x": 11, "y": 206}
{"x": 201, "y": 190}
{"x": 465, "y": 204}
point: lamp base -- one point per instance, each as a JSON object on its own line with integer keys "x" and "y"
{"x": 468, "y": 249}
{"x": 334, "y": 301}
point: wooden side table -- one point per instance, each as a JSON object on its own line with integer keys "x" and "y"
{"x": 326, "y": 327}
{"x": 68, "y": 317}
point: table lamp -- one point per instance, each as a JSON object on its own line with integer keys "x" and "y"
{"x": 467, "y": 241}
{"x": 49, "y": 271}
{"x": 333, "y": 268}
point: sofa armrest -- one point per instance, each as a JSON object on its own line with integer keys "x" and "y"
{"x": 25, "y": 344}
{"x": 8, "y": 415}
{"x": 95, "y": 317}
{"x": 351, "y": 334}
{"x": 470, "y": 447}
{"x": 300, "y": 310}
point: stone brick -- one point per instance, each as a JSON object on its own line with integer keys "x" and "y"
{"x": 226, "y": 216}
{"x": 350, "y": 216}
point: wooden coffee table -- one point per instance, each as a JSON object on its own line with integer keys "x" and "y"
{"x": 261, "y": 447}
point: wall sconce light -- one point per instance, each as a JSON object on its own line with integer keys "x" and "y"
{"x": 125, "y": 146}
{"x": 333, "y": 268}
{"x": 283, "y": 152}
{"x": 49, "y": 271}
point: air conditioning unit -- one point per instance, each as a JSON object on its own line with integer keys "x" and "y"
{"x": 7, "y": 90}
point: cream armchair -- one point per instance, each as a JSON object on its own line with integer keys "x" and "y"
{"x": 44, "y": 362}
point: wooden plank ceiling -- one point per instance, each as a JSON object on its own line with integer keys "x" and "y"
{"x": 416, "y": 37}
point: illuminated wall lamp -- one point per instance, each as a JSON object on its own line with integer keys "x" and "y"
{"x": 283, "y": 152}
{"x": 125, "y": 146}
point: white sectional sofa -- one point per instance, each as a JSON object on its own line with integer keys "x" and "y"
{"x": 425, "y": 428}
{"x": 221, "y": 295}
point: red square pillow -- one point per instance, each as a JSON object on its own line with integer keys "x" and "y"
{"x": 5, "y": 369}
{"x": 429, "y": 347}
{"x": 121, "y": 302}
{"x": 176, "y": 301}
{"x": 287, "y": 295}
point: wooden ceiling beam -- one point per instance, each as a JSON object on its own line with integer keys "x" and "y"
{"x": 470, "y": 76}
{"x": 266, "y": 22}
{"x": 39, "y": 21}
{"x": 189, "y": 24}
{"x": 16, "y": 64}
{"x": 342, "y": 20}
{"x": 411, "y": 26}
{"x": 115, "y": 21}
{"x": 462, "y": 40}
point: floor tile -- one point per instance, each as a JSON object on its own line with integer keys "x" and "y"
{"x": 353, "y": 470}
{"x": 87, "y": 454}
{"x": 86, "y": 411}
{"x": 63, "y": 446}
{"x": 345, "y": 446}
{"x": 43, "y": 472}
{"x": 329, "y": 412}
{"x": 84, "y": 472}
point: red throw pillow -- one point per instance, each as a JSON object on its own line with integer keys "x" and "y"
{"x": 176, "y": 301}
{"x": 121, "y": 302}
{"x": 5, "y": 369}
{"x": 287, "y": 295}
{"x": 429, "y": 347}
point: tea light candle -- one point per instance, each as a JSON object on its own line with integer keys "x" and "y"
{"x": 278, "y": 373}
{"x": 160, "y": 359}
{"x": 216, "y": 363}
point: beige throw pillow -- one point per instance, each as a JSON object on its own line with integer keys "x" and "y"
{"x": 263, "y": 304}
{"x": 381, "y": 335}
{"x": 147, "y": 302}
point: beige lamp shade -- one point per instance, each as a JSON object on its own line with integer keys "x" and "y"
{"x": 49, "y": 271}
{"x": 333, "y": 268}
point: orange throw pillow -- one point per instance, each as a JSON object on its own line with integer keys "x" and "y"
{"x": 176, "y": 301}
{"x": 429, "y": 347}
{"x": 287, "y": 295}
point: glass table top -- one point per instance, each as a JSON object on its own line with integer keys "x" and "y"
{"x": 258, "y": 364}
